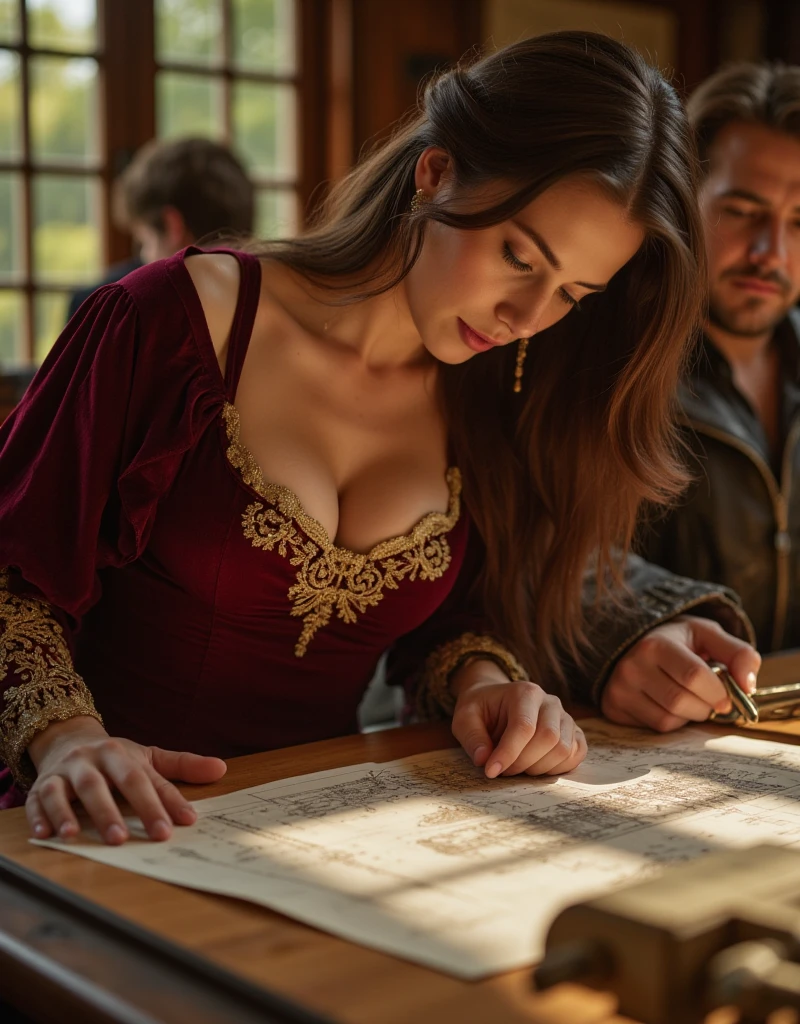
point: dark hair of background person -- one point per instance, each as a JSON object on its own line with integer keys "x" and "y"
{"x": 201, "y": 179}
{"x": 559, "y": 473}
{"x": 766, "y": 94}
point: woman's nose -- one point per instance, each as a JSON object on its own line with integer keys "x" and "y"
{"x": 522, "y": 317}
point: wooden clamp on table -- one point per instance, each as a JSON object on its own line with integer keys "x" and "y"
{"x": 720, "y": 931}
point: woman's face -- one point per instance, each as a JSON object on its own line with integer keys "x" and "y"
{"x": 473, "y": 290}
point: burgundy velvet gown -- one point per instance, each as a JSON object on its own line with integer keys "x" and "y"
{"x": 148, "y": 560}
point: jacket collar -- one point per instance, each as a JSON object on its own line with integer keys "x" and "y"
{"x": 710, "y": 398}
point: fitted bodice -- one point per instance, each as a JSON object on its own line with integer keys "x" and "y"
{"x": 242, "y": 626}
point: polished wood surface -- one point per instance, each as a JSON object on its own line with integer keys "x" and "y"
{"x": 347, "y": 982}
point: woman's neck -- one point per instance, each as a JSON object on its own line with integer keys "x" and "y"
{"x": 380, "y": 330}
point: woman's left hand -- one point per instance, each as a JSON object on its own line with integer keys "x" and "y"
{"x": 513, "y": 728}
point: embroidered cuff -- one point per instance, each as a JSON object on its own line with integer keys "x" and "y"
{"x": 34, "y": 653}
{"x": 434, "y": 699}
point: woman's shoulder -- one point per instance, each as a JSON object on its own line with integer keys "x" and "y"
{"x": 216, "y": 277}
{"x": 188, "y": 295}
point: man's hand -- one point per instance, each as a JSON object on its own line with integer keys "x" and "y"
{"x": 664, "y": 680}
{"x": 511, "y": 728}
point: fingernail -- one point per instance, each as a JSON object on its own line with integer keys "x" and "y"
{"x": 494, "y": 769}
{"x": 67, "y": 829}
{"x": 116, "y": 834}
{"x": 479, "y": 753}
{"x": 751, "y": 682}
{"x": 187, "y": 815}
{"x": 160, "y": 831}
{"x": 39, "y": 830}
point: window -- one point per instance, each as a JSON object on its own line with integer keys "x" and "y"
{"x": 84, "y": 83}
{"x": 51, "y": 230}
{"x": 228, "y": 70}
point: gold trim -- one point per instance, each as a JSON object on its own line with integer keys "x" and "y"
{"x": 33, "y": 648}
{"x": 332, "y": 578}
{"x": 434, "y": 698}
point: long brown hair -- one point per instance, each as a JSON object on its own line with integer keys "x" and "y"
{"x": 556, "y": 476}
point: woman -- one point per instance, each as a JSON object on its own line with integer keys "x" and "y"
{"x": 205, "y": 473}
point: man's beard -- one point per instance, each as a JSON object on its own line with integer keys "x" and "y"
{"x": 745, "y": 323}
{"x": 750, "y": 320}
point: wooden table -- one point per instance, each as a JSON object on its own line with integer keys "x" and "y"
{"x": 58, "y": 967}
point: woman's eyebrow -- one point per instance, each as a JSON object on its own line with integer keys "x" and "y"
{"x": 550, "y": 256}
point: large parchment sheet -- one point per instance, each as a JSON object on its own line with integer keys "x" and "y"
{"x": 427, "y": 859}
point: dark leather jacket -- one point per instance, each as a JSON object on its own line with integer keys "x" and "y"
{"x": 739, "y": 524}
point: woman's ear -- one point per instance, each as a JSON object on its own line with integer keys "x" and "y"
{"x": 434, "y": 168}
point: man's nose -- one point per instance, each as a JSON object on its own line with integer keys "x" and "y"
{"x": 768, "y": 246}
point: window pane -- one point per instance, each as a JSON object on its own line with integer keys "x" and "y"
{"x": 189, "y": 32}
{"x": 276, "y": 213}
{"x": 49, "y": 317}
{"x": 264, "y": 35}
{"x": 13, "y": 342}
{"x": 11, "y": 234}
{"x": 189, "y": 105}
{"x": 66, "y": 229}
{"x": 9, "y": 21}
{"x": 69, "y": 25}
{"x": 64, "y": 110}
{"x": 265, "y": 128}
{"x": 10, "y": 106}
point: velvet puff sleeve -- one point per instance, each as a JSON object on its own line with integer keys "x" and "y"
{"x": 84, "y": 460}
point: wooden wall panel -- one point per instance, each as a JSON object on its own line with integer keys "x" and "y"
{"x": 395, "y": 44}
{"x": 782, "y": 30}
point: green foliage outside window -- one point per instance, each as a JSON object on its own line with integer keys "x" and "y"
{"x": 64, "y": 120}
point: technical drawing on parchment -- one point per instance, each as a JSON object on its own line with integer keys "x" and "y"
{"x": 427, "y": 859}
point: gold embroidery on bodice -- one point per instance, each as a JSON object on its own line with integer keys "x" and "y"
{"x": 332, "y": 578}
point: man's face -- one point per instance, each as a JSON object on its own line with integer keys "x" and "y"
{"x": 750, "y": 204}
{"x": 153, "y": 244}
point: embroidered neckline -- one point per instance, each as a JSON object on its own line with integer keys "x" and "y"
{"x": 332, "y": 578}
{"x": 285, "y": 499}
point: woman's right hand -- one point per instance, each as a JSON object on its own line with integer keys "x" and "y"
{"x": 77, "y": 761}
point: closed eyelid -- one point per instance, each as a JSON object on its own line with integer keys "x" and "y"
{"x": 519, "y": 252}
{"x": 549, "y": 256}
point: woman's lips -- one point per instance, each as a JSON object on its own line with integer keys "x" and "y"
{"x": 473, "y": 339}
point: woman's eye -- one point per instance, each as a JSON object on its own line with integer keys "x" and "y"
{"x": 512, "y": 260}
{"x": 733, "y": 211}
{"x": 517, "y": 264}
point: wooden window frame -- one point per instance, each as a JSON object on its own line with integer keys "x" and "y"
{"x": 127, "y": 117}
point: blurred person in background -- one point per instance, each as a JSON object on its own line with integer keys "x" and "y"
{"x": 174, "y": 193}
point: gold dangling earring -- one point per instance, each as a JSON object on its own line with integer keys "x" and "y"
{"x": 418, "y": 200}
{"x": 522, "y": 351}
